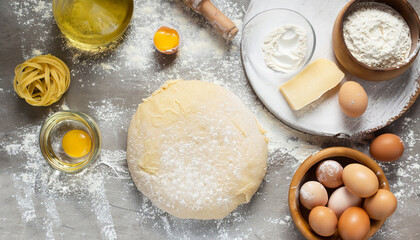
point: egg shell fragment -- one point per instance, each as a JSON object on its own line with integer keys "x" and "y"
{"x": 354, "y": 224}
{"x": 341, "y": 199}
{"x": 353, "y": 99}
{"x": 360, "y": 180}
{"x": 166, "y": 40}
{"x": 381, "y": 205}
{"x": 387, "y": 148}
{"x": 329, "y": 173}
{"x": 323, "y": 221}
{"x": 312, "y": 194}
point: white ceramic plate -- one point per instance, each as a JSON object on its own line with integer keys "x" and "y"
{"x": 387, "y": 100}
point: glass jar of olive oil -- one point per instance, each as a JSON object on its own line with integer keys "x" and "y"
{"x": 92, "y": 24}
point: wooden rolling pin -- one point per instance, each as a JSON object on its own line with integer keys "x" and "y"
{"x": 216, "y": 18}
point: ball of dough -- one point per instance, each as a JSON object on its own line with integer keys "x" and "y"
{"x": 195, "y": 150}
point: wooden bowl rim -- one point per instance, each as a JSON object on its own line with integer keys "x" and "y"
{"x": 415, "y": 51}
{"x": 312, "y": 160}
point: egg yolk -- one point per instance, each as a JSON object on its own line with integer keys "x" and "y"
{"x": 76, "y": 143}
{"x": 166, "y": 40}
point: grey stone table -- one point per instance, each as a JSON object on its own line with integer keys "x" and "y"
{"x": 101, "y": 202}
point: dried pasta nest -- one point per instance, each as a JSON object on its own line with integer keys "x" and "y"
{"x": 41, "y": 80}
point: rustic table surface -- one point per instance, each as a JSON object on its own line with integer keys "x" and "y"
{"x": 101, "y": 202}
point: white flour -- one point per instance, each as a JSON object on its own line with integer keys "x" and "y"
{"x": 285, "y": 48}
{"x": 377, "y": 35}
{"x": 48, "y": 201}
{"x": 39, "y": 179}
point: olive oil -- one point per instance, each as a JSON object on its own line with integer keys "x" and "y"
{"x": 92, "y": 24}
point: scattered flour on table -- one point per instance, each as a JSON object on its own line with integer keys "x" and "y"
{"x": 410, "y": 140}
{"x": 36, "y": 52}
{"x": 41, "y": 7}
{"x": 35, "y": 180}
{"x": 111, "y": 113}
{"x": 36, "y": 177}
{"x": 34, "y": 14}
{"x": 287, "y": 220}
{"x": 403, "y": 177}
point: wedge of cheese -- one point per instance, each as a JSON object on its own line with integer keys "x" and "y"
{"x": 316, "y": 79}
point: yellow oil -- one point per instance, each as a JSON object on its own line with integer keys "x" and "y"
{"x": 92, "y": 24}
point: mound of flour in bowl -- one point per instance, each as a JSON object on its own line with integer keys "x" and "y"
{"x": 284, "y": 48}
{"x": 377, "y": 35}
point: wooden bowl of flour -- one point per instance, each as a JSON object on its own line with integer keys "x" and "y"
{"x": 361, "y": 70}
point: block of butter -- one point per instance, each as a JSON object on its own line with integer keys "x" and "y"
{"x": 316, "y": 79}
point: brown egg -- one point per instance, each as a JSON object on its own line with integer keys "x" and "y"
{"x": 381, "y": 205}
{"x": 360, "y": 180}
{"x": 354, "y": 224}
{"x": 353, "y": 99}
{"x": 387, "y": 147}
{"x": 329, "y": 173}
{"x": 323, "y": 221}
{"x": 313, "y": 194}
{"x": 341, "y": 199}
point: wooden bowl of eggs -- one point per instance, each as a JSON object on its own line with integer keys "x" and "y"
{"x": 377, "y": 40}
{"x": 340, "y": 193}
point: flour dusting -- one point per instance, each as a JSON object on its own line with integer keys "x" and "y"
{"x": 44, "y": 196}
{"x": 37, "y": 178}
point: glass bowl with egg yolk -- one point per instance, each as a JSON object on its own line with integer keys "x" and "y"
{"x": 70, "y": 141}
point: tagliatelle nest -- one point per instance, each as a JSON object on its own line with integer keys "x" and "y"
{"x": 41, "y": 80}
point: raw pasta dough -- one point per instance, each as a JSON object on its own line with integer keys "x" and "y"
{"x": 195, "y": 150}
{"x": 41, "y": 80}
